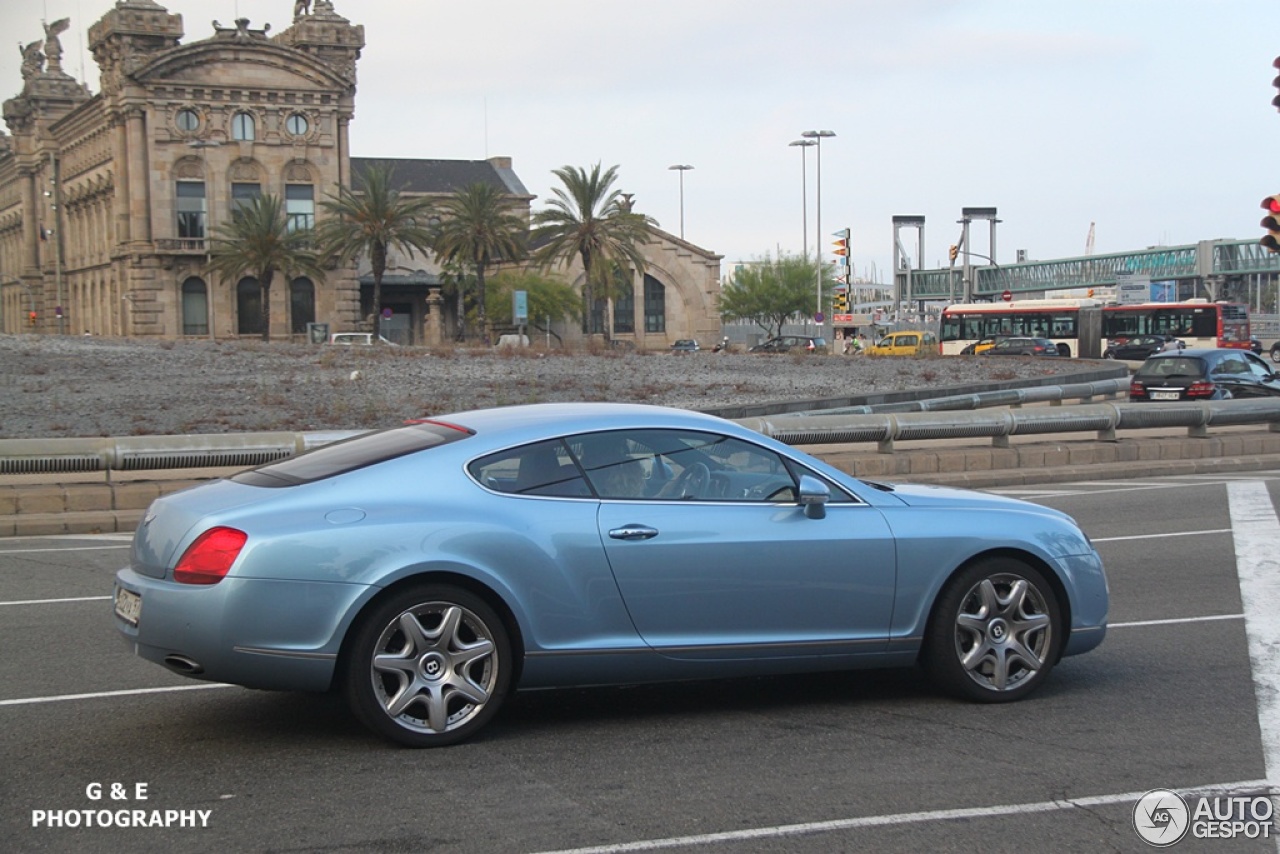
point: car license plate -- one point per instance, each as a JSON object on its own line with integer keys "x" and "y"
{"x": 1165, "y": 395}
{"x": 128, "y": 606}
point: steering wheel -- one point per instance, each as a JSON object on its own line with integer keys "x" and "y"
{"x": 692, "y": 482}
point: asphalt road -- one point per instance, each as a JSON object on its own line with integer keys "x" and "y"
{"x": 834, "y": 762}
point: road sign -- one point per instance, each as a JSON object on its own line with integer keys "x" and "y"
{"x": 1007, "y": 296}
{"x": 819, "y": 317}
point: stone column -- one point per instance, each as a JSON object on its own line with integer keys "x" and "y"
{"x": 433, "y": 323}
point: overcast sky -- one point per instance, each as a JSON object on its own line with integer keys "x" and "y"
{"x": 1150, "y": 118}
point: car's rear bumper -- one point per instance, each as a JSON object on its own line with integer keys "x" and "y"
{"x": 281, "y": 635}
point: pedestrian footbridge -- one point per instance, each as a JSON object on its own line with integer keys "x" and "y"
{"x": 1212, "y": 261}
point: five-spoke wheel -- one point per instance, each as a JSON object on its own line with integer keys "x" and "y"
{"x": 428, "y": 666}
{"x": 996, "y": 631}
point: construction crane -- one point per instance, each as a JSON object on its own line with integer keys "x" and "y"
{"x": 1088, "y": 241}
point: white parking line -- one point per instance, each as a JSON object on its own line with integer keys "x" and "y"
{"x": 1246, "y": 787}
{"x": 30, "y": 701}
{"x": 4, "y": 551}
{"x": 1161, "y": 536}
{"x": 54, "y": 601}
{"x": 1257, "y": 539}
{"x": 1173, "y": 622}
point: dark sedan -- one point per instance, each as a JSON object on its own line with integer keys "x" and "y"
{"x": 1023, "y": 347}
{"x": 1203, "y": 375}
{"x": 1138, "y": 347}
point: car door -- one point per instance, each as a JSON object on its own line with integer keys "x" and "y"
{"x": 1234, "y": 372}
{"x": 743, "y": 572}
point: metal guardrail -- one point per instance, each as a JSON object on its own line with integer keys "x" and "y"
{"x": 1054, "y": 394}
{"x": 1104, "y": 418}
{"x": 936, "y": 419}
{"x": 135, "y": 453}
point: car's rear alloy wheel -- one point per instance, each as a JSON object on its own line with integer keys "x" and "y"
{"x": 428, "y": 666}
{"x": 995, "y": 633}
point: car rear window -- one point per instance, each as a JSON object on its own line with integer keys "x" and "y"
{"x": 1172, "y": 366}
{"x": 351, "y": 454}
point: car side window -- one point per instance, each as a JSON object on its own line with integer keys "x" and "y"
{"x": 544, "y": 469}
{"x": 680, "y": 465}
{"x": 1257, "y": 367}
{"x": 1230, "y": 365}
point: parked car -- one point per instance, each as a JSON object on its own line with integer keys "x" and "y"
{"x": 359, "y": 339}
{"x": 428, "y": 570}
{"x": 787, "y": 343}
{"x": 1016, "y": 346}
{"x": 1203, "y": 374}
{"x": 981, "y": 346}
{"x": 1139, "y": 347}
{"x": 905, "y": 343}
{"x": 685, "y": 345}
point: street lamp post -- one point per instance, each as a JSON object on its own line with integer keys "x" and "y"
{"x": 681, "y": 168}
{"x": 804, "y": 145}
{"x": 819, "y": 136}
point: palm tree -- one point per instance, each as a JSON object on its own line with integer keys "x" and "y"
{"x": 480, "y": 227}
{"x": 257, "y": 241}
{"x": 373, "y": 222}
{"x": 590, "y": 220}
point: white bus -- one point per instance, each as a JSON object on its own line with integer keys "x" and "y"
{"x": 1197, "y": 323}
{"x": 967, "y": 324}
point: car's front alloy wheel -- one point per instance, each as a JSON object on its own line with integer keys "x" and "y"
{"x": 428, "y": 667}
{"x": 996, "y": 632}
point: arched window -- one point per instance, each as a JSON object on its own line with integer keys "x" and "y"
{"x": 243, "y": 127}
{"x": 249, "y": 307}
{"x": 195, "y": 307}
{"x": 302, "y": 305}
{"x": 655, "y": 305}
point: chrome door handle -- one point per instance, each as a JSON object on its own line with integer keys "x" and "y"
{"x": 633, "y": 532}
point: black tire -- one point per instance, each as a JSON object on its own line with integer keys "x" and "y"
{"x": 1275, "y": 352}
{"x": 995, "y": 633}
{"x": 428, "y": 666}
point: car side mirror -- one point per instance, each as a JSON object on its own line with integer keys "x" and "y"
{"x": 814, "y": 496}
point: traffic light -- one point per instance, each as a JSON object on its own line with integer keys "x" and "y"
{"x": 1275, "y": 102}
{"x": 953, "y": 252}
{"x": 1271, "y": 222}
{"x": 31, "y": 319}
{"x": 842, "y": 245}
{"x": 840, "y": 303}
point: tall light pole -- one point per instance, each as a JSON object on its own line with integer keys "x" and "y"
{"x": 681, "y": 168}
{"x": 818, "y": 135}
{"x": 804, "y": 145}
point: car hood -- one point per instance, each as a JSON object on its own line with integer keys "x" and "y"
{"x": 928, "y": 495}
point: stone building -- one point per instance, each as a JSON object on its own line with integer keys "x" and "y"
{"x": 108, "y": 200}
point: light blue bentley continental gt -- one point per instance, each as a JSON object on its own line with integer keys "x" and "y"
{"x": 428, "y": 570}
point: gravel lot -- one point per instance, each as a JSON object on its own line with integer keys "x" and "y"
{"x": 86, "y": 387}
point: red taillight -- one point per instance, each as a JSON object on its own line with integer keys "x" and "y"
{"x": 207, "y": 560}
{"x": 1200, "y": 388}
{"x": 1136, "y": 387}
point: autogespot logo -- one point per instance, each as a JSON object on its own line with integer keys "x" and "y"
{"x": 1161, "y": 818}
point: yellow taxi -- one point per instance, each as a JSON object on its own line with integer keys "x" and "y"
{"x": 911, "y": 342}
